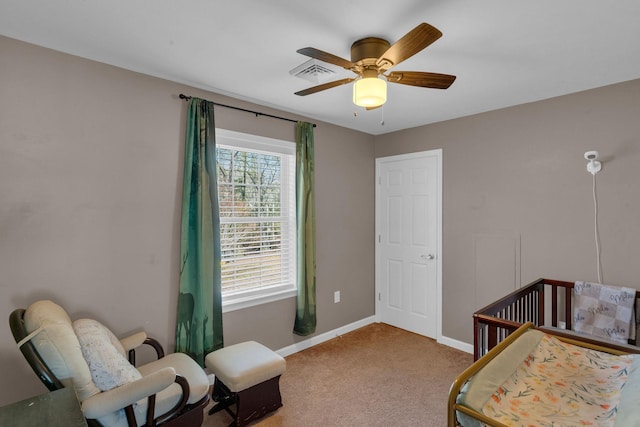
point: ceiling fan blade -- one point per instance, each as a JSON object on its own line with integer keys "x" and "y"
{"x": 324, "y": 86}
{"x": 422, "y": 79}
{"x": 412, "y": 42}
{"x": 326, "y": 57}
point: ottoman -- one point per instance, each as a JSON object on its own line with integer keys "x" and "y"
{"x": 247, "y": 375}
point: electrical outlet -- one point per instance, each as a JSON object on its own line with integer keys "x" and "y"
{"x": 336, "y": 297}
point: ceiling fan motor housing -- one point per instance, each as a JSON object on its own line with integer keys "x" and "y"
{"x": 367, "y": 51}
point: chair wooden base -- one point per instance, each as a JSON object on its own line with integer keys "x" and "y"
{"x": 251, "y": 404}
{"x": 192, "y": 415}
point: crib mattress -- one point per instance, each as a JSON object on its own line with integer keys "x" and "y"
{"x": 487, "y": 383}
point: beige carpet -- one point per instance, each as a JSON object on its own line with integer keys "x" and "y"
{"x": 375, "y": 376}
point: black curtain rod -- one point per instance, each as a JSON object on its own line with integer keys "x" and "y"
{"x": 257, "y": 113}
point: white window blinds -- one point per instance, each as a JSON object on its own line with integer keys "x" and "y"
{"x": 257, "y": 217}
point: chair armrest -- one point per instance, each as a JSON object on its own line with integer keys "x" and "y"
{"x": 133, "y": 341}
{"x": 104, "y": 403}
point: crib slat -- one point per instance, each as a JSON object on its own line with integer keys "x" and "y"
{"x": 541, "y": 305}
{"x": 554, "y": 305}
{"x": 567, "y": 307}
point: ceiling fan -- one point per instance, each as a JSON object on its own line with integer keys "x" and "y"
{"x": 372, "y": 57}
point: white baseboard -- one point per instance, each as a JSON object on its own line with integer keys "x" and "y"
{"x": 318, "y": 339}
{"x": 459, "y": 345}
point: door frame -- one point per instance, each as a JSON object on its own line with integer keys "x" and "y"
{"x": 439, "y": 256}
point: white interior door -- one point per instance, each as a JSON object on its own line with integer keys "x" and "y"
{"x": 408, "y": 230}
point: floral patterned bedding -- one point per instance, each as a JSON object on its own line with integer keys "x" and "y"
{"x": 561, "y": 385}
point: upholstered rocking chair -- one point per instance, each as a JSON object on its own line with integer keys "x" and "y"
{"x": 170, "y": 391}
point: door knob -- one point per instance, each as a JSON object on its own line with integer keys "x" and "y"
{"x": 430, "y": 256}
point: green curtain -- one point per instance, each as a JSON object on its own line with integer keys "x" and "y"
{"x": 305, "y": 322}
{"x": 199, "y": 319}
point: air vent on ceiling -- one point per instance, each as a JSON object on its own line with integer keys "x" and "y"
{"x": 315, "y": 71}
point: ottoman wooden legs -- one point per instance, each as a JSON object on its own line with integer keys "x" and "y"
{"x": 251, "y": 404}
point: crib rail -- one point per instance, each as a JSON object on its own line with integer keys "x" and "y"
{"x": 495, "y": 322}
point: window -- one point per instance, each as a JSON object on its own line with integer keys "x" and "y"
{"x": 256, "y": 191}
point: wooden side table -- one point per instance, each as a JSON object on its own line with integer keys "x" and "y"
{"x": 59, "y": 408}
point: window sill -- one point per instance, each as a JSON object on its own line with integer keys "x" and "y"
{"x": 239, "y": 303}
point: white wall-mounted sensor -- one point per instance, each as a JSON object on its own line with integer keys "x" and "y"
{"x": 594, "y": 166}
{"x": 591, "y": 155}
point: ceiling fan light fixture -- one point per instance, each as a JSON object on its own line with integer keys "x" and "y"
{"x": 370, "y": 92}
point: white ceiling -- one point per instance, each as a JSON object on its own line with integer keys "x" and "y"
{"x": 503, "y": 52}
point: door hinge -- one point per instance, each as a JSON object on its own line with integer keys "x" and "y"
{"x": 379, "y": 297}
{"x": 379, "y": 238}
{"x": 379, "y": 180}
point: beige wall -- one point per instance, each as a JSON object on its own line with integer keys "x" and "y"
{"x": 517, "y": 201}
{"x": 90, "y": 176}
{"x": 90, "y": 189}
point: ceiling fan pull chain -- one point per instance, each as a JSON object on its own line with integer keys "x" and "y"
{"x": 382, "y": 115}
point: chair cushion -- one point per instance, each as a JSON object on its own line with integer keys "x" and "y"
{"x": 186, "y": 367}
{"x": 104, "y": 355}
{"x": 167, "y": 398}
{"x": 58, "y": 345}
{"x": 244, "y": 365}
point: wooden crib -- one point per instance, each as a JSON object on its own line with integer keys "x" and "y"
{"x": 545, "y": 302}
